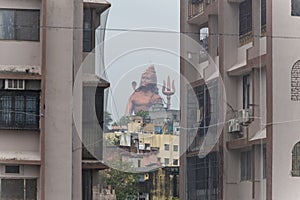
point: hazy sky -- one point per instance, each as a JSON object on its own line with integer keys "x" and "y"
{"x": 143, "y": 13}
{"x": 139, "y": 14}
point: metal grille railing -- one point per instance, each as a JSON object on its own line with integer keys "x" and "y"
{"x": 197, "y": 7}
{"x": 19, "y": 109}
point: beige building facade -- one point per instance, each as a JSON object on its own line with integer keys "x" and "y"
{"x": 42, "y": 46}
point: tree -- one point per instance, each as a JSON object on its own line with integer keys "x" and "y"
{"x": 107, "y": 121}
{"x": 115, "y": 140}
{"x": 142, "y": 113}
{"x": 114, "y": 124}
{"x": 124, "y": 120}
{"x": 124, "y": 183}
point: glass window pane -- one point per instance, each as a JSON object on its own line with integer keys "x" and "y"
{"x": 175, "y": 162}
{"x": 167, "y": 147}
{"x": 31, "y": 118}
{"x": 6, "y": 110}
{"x": 27, "y": 25}
{"x": 249, "y": 165}
{"x": 19, "y": 111}
{"x": 175, "y": 148}
{"x": 31, "y": 189}
{"x": 21, "y": 84}
{"x": 87, "y": 30}
{"x": 295, "y": 7}
{"x": 6, "y": 24}
{"x": 10, "y": 83}
{"x": 167, "y": 161}
{"x": 245, "y": 17}
{"x": 263, "y": 12}
{"x": 297, "y": 149}
{"x": 12, "y": 169}
{"x": 15, "y": 83}
{"x": 12, "y": 189}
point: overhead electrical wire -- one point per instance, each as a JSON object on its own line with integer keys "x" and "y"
{"x": 162, "y": 31}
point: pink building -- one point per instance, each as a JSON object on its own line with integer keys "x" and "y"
{"x": 43, "y": 152}
{"x": 253, "y": 44}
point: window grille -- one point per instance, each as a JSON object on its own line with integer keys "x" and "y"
{"x": 245, "y": 17}
{"x": 296, "y": 160}
{"x": 203, "y": 177}
{"x": 295, "y": 82}
{"x": 19, "y": 109}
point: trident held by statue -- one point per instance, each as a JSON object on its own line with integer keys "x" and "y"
{"x": 168, "y": 91}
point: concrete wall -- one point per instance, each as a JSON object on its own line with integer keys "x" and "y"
{"x": 26, "y": 171}
{"x": 286, "y": 113}
{"x": 19, "y": 140}
{"x": 77, "y": 135}
{"x": 58, "y": 105}
{"x": 20, "y": 52}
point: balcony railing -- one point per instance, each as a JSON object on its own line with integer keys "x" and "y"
{"x": 263, "y": 30}
{"x": 246, "y": 38}
{"x": 197, "y": 7}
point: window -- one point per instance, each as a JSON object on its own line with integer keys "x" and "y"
{"x": 295, "y": 82}
{"x": 246, "y": 165}
{"x": 204, "y": 33}
{"x": 13, "y": 169}
{"x": 197, "y": 1}
{"x": 167, "y": 161}
{"x": 147, "y": 146}
{"x": 158, "y": 129}
{"x": 296, "y": 160}
{"x": 175, "y": 162}
{"x": 19, "y": 189}
{"x": 263, "y": 12}
{"x": 202, "y": 176}
{"x": 167, "y": 147}
{"x": 264, "y": 162}
{"x": 246, "y": 91}
{"x": 87, "y": 30}
{"x": 295, "y": 8}
{"x": 19, "y": 24}
{"x": 175, "y": 148}
{"x": 19, "y": 109}
{"x": 174, "y": 117}
{"x": 14, "y": 84}
{"x": 245, "y": 17}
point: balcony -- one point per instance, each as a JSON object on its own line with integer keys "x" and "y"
{"x": 197, "y": 8}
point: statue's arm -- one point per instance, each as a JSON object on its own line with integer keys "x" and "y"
{"x": 156, "y": 99}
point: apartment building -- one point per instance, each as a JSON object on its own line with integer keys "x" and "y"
{"x": 43, "y": 152}
{"x": 253, "y": 44}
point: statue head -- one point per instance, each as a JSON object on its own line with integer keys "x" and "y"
{"x": 149, "y": 77}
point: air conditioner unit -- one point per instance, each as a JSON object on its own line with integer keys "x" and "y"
{"x": 244, "y": 116}
{"x": 233, "y": 126}
{"x": 14, "y": 84}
